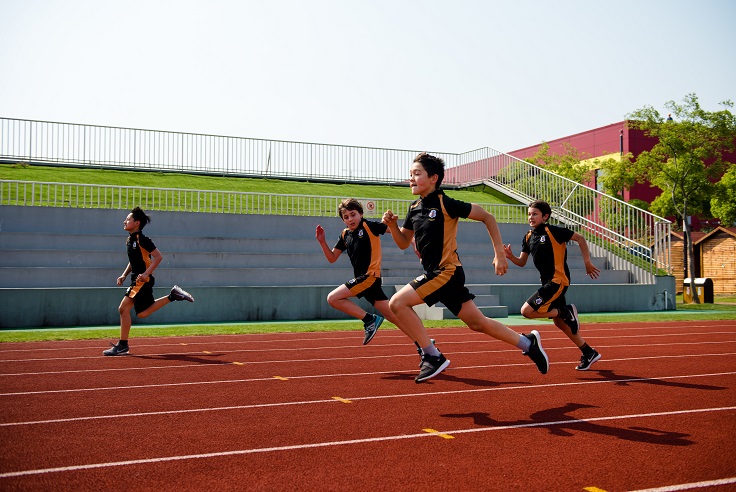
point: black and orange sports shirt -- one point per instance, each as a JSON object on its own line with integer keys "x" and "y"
{"x": 364, "y": 247}
{"x": 139, "y": 252}
{"x": 548, "y": 246}
{"x": 434, "y": 220}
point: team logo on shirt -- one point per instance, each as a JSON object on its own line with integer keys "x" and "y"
{"x": 351, "y": 281}
{"x": 360, "y": 233}
{"x": 543, "y": 239}
{"x": 420, "y": 278}
{"x": 538, "y": 301}
{"x": 433, "y": 213}
{"x": 135, "y": 245}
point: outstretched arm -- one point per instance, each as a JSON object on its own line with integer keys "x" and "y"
{"x": 590, "y": 269}
{"x": 516, "y": 260}
{"x": 331, "y": 254}
{"x": 499, "y": 261}
{"x": 402, "y": 237}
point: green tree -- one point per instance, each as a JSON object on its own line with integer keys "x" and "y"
{"x": 689, "y": 153}
{"x": 723, "y": 203}
{"x": 617, "y": 174}
{"x": 567, "y": 164}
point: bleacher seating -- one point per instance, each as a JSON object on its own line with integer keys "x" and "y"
{"x": 58, "y": 267}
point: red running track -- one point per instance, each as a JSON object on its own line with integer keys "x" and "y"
{"x": 320, "y": 411}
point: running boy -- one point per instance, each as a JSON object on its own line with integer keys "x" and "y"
{"x": 432, "y": 221}
{"x": 361, "y": 240}
{"x": 143, "y": 258}
{"x": 547, "y": 245}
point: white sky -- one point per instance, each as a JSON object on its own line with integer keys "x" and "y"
{"x": 436, "y": 75}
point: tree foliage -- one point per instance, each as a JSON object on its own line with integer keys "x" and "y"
{"x": 723, "y": 203}
{"x": 567, "y": 164}
{"x": 689, "y": 153}
{"x": 687, "y": 157}
{"x": 617, "y": 174}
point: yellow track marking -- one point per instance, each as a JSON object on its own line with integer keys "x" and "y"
{"x": 281, "y": 378}
{"x": 438, "y": 433}
{"x": 593, "y": 489}
{"x": 238, "y": 363}
{"x": 343, "y": 400}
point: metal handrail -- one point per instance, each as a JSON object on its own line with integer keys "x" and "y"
{"x": 74, "y": 195}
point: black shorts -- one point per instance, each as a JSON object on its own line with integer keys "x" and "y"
{"x": 141, "y": 293}
{"x": 368, "y": 287}
{"x": 549, "y": 296}
{"x": 446, "y": 286}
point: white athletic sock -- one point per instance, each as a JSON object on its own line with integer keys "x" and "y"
{"x": 431, "y": 350}
{"x": 524, "y": 343}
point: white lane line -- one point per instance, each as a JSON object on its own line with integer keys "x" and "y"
{"x": 362, "y": 398}
{"x": 690, "y": 486}
{"x": 392, "y": 356}
{"x": 164, "y": 459}
{"x": 270, "y": 378}
{"x": 218, "y": 353}
{"x": 468, "y": 337}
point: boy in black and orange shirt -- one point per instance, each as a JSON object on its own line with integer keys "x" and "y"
{"x": 546, "y": 244}
{"x": 361, "y": 239}
{"x": 432, "y": 222}
{"x": 143, "y": 259}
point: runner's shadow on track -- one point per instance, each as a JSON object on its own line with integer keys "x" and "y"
{"x": 559, "y": 423}
{"x": 196, "y": 359}
{"x": 445, "y": 376}
{"x": 622, "y": 380}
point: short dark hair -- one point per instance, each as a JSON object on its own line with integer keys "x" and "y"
{"x": 433, "y": 165}
{"x": 542, "y": 206}
{"x": 140, "y": 216}
{"x": 349, "y": 204}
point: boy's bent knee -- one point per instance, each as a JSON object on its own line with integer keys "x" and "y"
{"x": 527, "y": 311}
{"x": 396, "y": 304}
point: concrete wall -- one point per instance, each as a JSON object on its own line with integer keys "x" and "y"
{"x": 58, "y": 267}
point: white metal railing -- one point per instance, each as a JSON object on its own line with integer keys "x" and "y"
{"x": 620, "y": 232}
{"x": 39, "y": 194}
{"x": 624, "y": 232}
{"x": 47, "y": 142}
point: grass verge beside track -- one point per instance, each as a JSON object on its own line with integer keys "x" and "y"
{"x": 724, "y": 309}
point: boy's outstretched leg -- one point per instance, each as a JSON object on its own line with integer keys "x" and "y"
{"x": 402, "y": 304}
{"x": 371, "y": 325}
{"x": 589, "y": 354}
{"x": 179, "y": 294}
{"x": 530, "y": 345}
{"x": 536, "y": 352}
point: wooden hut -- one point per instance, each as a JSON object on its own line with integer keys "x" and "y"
{"x": 717, "y": 255}
{"x": 677, "y": 253}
